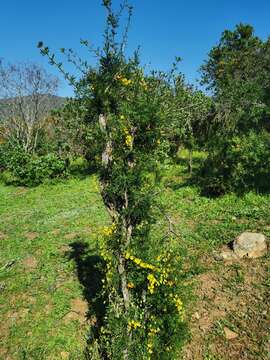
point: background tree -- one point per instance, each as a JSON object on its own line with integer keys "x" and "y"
{"x": 238, "y": 73}
{"x": 27, "y": 94}
{"x": 187, "y": 114}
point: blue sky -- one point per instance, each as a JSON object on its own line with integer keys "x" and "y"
{"x": 163, "y": 29}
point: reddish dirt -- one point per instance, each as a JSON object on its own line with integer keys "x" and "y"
{"x": 79, "y": 310}
{"x": 30, "y": 263}
{"x": 230, "y": 297}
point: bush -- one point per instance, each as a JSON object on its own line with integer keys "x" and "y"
{"x": 44, "y": 168}
{"x": 239, "y": 164}
{"x": 12, "y": 156}
{"x": 21, "y": 168}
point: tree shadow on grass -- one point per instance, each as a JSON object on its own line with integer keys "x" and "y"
{"x": 90, "y": 272}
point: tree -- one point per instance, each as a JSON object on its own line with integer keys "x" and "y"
{"x": 143, "y": 315}
{"x": 237, "y": 71}
{"x": 27, "y": 96}
{"x": 187, "y": 115}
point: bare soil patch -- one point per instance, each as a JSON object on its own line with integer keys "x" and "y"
{"x": 231, "y": 317}
{"x": 71, "y": 236}
{"x": 79, "y": 310}
{"x": 31, "y": 235}
{"x": 3, "y": 236}
{"x": 30, "y": 263}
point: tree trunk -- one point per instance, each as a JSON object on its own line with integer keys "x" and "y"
{"x": 127, "y": 228}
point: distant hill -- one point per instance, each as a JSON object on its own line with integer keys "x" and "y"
{"x": 50, "y": 102}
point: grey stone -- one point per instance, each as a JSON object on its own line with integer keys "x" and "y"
{"x": 251, "y": 245}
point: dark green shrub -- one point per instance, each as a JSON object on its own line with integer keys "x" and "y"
{"x": 238, "y": 164}
{"x": 44, "y": 168}
{"x": 21, "y": 168}
{"x": 13, "y": 159}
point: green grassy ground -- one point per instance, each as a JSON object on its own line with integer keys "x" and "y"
{"x": 48, "y": 238}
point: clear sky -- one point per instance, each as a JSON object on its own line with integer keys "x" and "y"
{"x": 163, "y": 29}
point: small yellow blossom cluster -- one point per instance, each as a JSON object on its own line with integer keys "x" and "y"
{"x": 152, "y": 283}
{"x": 163, "y": 280}
{"x": 139, "y": 262}
{"x": 109, "y": 230}
{"x": 178, "y": 304}
{"x": 133, "y": 324}
{"x": 108, "y": 259}
{"x": 150, "y": 346}
{"x": 151, "y": 333}
{"x": 124, "y": 81}
{"x": 128, "y": 138}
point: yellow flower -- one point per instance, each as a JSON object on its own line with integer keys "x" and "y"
{"x": 140, "y": 262}
{"x": 125, "y": 81}
{"x": 128, "y": 138}
{"x": 150, "y": 348}
{"x": 109, "y": 230}
{"x": 132, "y": 324}
{"x": 130, "y": 285}
{"x": 152, "y": 282}
{"x": 179, "y": 305}
{"x": 153, "y": 331}
{"x": 129, "y": 141}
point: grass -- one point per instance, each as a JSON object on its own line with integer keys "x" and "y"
{"x": 48, "y": 252}
{"x": 38, "y": 280}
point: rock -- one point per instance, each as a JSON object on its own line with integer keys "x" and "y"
{"x": 226, "y": 255}
{"x": 217, "y": 256}
{"x": 229, "y": 334}
{"x": 251, "y": 245}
